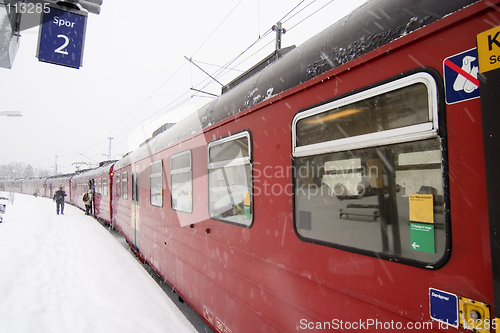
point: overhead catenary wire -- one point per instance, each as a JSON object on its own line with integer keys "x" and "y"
{"x": 300, "y": 22}
{"x": 300, "y": 11}
{"x": 225, "y": 18}
{"x": 220, "y": 72}
{"x": 222, "y": 69}
{"x": 267, "y": 33}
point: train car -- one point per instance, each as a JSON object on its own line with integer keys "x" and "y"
{"x": 102, "y": 182}
{"x": 125, "y": 200}
{"x": 81, "y": 182}
{"x": 341, "y": 187}
{"x": 34, "y": 186}
{"x": 44, "y": 189}
{"x": 11, "y": 185}
{"x": 53, "y": 183}
{"x": 17, "y": 185}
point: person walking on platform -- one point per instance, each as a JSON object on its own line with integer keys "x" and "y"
{"x": 59, "y": 199}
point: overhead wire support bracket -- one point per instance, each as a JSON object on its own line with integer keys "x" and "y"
{"x": 204, "y": 92}
{"x": 191, "y": 61}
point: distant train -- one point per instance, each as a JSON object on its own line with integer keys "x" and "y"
{"x": 339, "y": 185}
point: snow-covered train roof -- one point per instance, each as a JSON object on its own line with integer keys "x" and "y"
{"x": 103, "y": 168}
{"x": 376, "y": 23}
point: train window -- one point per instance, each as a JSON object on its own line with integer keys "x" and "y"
{"x": 230, "y": 179}
{"x": 99, "y": 188}
{"x": 118, "y": 186}
{"x": 105, "y": 187}
{"x": 125, "y": 185}
{"x": 156, "y": 182}
{"x": 181, "y": 173}
{"x": 369, "y": 175}
{"x": 135, "y": 187}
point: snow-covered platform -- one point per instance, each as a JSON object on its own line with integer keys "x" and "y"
{"x": 66, "y": 273}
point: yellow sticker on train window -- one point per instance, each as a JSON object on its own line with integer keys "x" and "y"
{"x": 421, "y": 208}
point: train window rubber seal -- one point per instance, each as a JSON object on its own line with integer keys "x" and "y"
{"x": 154, "y": 176}
{"x": 439, "y": 121}
{"x": 243, "y": 161}
{"x": 177, "y": 171}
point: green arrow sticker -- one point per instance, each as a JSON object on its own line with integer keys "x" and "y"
{"x": 422, "y": 237}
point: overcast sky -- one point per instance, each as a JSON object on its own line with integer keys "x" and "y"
{"x": 135, "y": 76}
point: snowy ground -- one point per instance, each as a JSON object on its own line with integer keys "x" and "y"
{"x": 66, "y": 273}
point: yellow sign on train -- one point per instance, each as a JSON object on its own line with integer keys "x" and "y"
{"x": 421, "y": 208}
{"x": 488, "y": 49}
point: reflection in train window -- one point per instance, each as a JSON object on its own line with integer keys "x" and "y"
{"x": 181, "y": 174}
{"x": 156, "y": 183}
{"x": 230, "y": 179}
{"x": 374, "y": 184}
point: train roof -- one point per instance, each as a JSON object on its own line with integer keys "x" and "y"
{"x": 374, "y": 24}
{"x": 103, "y": 168}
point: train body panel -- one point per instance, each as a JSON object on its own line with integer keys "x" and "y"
{"x": 99, "y": 180}
{"x": 339, "y": 184}
{"x": 123, "y": 213}
{"x": 102, "y": 179}
{"x": 287, "y": 272}
{"x": 33, "y": 186}
{"x": 79, "y": 185}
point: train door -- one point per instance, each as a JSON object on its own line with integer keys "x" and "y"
{"x": 488, "y": 46}
{"x": 135, "y": 209}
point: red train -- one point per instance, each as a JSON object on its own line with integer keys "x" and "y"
{"x": 340, "y": 185}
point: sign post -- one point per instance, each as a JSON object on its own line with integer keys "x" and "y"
{"x": 62, "y": 36}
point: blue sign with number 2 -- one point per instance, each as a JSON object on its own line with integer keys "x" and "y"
{"x": 62, "y": 36}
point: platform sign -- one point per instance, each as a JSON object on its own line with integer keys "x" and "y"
{"x": 443, "y": 307}
{"x": 461, "y": 76}
{"x": 62, "y": 36}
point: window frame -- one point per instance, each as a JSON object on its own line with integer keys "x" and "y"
{"x": 243, "y": 161}
{"x": 125, "y": 185}
{"x": 105, "y": 186}
{"x": 398, "y": 135}
{"x": 181, "y": 171}
{"x": 156, "y": 175}
{"x": 135, "y": 188}
{"x": 429, "y": 130}
{"x": 118, "y": 185}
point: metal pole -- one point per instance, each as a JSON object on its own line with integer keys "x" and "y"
{"x": 109, "y": 150}
{"x": 279, "y": 33}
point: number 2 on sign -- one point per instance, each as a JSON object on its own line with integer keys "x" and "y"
{"x": 61, "y": 48}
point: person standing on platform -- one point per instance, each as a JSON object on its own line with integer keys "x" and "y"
{"x": 87, "y": 200}
{"x": 59, "y": 199}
